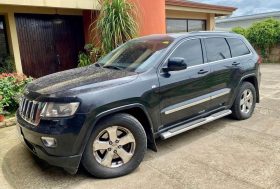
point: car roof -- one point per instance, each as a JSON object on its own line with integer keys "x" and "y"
{"x": 203, "y": 33}
{"x": 178, "y": 36}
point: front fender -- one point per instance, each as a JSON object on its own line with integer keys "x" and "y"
{"x": 93, "y": 118}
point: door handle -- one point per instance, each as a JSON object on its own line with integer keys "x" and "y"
{"x": 202, "y": 72}
{"x": 235, "y": 63}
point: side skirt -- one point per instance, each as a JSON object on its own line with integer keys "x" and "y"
{"x": 188, "y": 126}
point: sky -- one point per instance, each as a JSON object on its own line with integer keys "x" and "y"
{"x": 247, "y": 7}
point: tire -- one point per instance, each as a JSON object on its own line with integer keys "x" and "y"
{"x": 95, "y": 159}
{"x": 238, "y": 110}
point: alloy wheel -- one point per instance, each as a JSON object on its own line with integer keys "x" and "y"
{"x": 114, "y": 146}
{"x": 246, "y": 101}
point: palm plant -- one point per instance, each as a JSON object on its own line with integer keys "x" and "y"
{"x": 115, "y": 25}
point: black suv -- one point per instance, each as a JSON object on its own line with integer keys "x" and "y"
{"x": 107, "y": 114}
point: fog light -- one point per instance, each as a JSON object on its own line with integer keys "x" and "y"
{"x": 49, "y": 142}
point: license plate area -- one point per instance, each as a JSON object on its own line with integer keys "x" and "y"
{"x": 24, "y": 141}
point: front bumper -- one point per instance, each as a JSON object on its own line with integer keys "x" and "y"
{"x": 69, "y": 134}
{"x": 69, "y": 163}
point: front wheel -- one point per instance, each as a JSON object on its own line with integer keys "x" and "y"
{"x": 116, "y": 147}
{"x": 245, "y": 102}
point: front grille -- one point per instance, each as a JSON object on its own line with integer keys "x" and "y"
{"x": 30, "y": 110}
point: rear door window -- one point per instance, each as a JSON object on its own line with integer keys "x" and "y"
{"x": 217, "y": 49}
{"x": 191, "y": 51}
{"x": 237, "y": 47}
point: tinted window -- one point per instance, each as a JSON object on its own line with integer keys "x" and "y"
{"x": 184, "y": 25}
{"x": 196, "y": 25}
{"x": 176, "y": 26}
{"x": 237, "y": 47}
{"x": 217, "y": 49}
{"x": 136, "y": 55}
{"x": 191, "y": 51}
{"x": 3, "y": 39}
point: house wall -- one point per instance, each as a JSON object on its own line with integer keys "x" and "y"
{"x": 89, "y": 17}
{"x": 227, "y": 26}
{"x": 151, "y": 16}
{"x": 273, "y": 56}
{"x": 70, "y": 4}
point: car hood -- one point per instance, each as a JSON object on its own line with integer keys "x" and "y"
{"x": 79, "y": 79}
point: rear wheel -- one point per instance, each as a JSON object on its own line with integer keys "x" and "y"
{"x": 116, "y": 147}
{"x": 245, "y": 102}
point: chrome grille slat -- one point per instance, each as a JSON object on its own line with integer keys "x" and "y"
{"x": 23, "y": 105}
{"x": 20, "y": 105}
{"x": 31, "y": 115}
{"x": 29, "y": 111}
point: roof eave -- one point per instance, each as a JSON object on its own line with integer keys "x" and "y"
{"x": 200, "y": 10}
{"x": 199, "y": 7}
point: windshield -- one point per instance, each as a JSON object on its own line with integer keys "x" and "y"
{"x": 136, "y": 55}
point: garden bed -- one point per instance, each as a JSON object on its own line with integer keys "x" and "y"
{"x": 11, "y": 88}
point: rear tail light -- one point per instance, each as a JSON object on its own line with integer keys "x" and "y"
{"x": 260, "y": 60}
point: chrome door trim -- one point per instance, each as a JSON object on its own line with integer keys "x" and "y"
{"x": 224, "y": 92}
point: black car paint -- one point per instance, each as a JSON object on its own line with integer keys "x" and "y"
{"x": 103, "y": 91}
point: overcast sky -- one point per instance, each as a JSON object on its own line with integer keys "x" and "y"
{"x": 246, "y": 7}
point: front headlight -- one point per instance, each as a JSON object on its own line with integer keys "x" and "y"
{"x": 52, "y": 109}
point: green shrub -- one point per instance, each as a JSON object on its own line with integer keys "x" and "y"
{"x": 7, "y": 64}
{"x": 240, "y": 30}
{"x": 264, "y": 35}
{"x": 84, "y": 59}
{"x": 11, "y": 87}
{"x": 88, "y": 57}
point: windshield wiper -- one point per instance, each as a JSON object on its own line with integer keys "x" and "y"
{"x": 112, "y": 67}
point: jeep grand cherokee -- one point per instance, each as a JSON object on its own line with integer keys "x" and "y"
{"x": 104, "y": 116}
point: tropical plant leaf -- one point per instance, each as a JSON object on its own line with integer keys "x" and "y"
{"x": 115, "y": 25}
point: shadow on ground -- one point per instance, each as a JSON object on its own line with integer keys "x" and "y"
{"x": 23, "y": 170}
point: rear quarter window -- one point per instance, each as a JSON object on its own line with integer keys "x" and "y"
{"x": 237, "y": 47}
{"x": 217, "y": 49}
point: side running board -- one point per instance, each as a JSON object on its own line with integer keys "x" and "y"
{"x": 194, "y": 124}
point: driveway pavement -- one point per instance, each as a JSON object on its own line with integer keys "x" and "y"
{"x": 223, "y": 154}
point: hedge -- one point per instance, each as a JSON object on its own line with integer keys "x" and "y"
{"x": 263, "y": 35}
{"x": 11, "y": 87}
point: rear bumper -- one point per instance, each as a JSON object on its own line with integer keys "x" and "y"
{"x": 69, "y": 163}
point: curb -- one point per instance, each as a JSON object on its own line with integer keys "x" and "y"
{"x": 8, "y": 122}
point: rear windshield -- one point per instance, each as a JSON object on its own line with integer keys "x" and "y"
{"x": 136, "y": 55}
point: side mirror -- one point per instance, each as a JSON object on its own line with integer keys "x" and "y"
{"x": 175, "y": 64}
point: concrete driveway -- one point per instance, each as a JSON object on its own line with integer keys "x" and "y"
{"x": 222, "y": 154}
